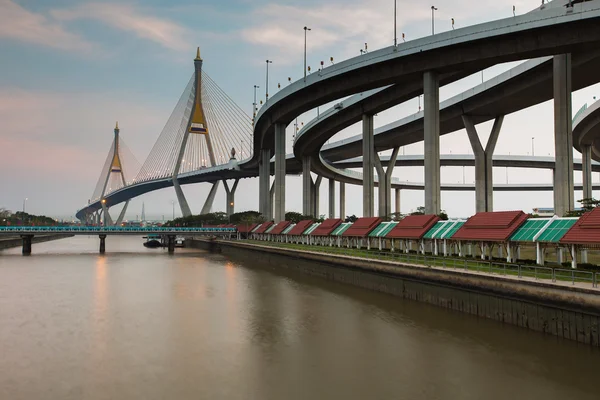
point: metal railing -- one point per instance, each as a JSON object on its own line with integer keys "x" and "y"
{"x": 467, "y": 264}
{"x": 110, "y": 229}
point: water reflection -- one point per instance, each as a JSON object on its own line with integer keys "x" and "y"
{"x": 143, "y": 325}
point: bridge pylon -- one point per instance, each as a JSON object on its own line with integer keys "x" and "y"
{"x": 111, "y": 178}
{"x": 197, "y": 124}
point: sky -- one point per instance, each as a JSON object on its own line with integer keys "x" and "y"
{"x": 70, "y": 69}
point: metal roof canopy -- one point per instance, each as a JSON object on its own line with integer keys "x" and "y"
{"x": 341, "y": 229}
{"x": 543, "y": 230}
{"x": 383, "y": 229}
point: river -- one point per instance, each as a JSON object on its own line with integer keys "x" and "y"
{"x": 140, "y": 324}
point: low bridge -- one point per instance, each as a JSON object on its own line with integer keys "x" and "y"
{"x": 28, "y": 232}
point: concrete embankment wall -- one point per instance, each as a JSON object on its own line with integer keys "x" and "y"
{"x": 568, "y": 312}
{"x": 8, "y": 243}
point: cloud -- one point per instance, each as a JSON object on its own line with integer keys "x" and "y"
{"x": 131, "y": 19}
{"x": 343, "y": 27}
{"x": 23, "y": 25}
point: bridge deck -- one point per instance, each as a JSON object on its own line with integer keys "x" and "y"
{"x": 117, "y": 230}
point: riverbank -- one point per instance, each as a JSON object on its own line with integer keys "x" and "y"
{"x": 570, "y": 311}
{"x": 11, "y": 242}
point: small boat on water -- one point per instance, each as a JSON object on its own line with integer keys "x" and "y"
{"x": 153, "y": 241}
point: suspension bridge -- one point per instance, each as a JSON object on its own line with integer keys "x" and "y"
{"x": 201, "y": 142}
{"x": 208, "y": 138}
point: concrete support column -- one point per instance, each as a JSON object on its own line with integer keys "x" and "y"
{"x": 279, "y": 172}
{"x": 484, "y": 185}
{"x": 26, "y": 244}
{"x": 398, "y": 201}
{"x": 264, "y": 174}
{"x": 385, "y": 183}
{"x": 563, "y": 136}
{"x": 306, "y": 186}
{"x": 230, "y": 196}
{"x": 171, "y": 244}
{"x": 586, "y": 164}
{"x": 431, "y": 126}
{"x": 342, "y": 200}
{"x": 272, "y": 200}
{"x": 206, "y": 208}
{"x": 368, "y": 165}
{"x": 316, "y": 196}
{"x": 122, "y": 214}
{"x": 331, "y": 198}
{"x": 102, "y": 244}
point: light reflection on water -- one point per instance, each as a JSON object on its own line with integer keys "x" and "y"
{"x": 137, "y": 323}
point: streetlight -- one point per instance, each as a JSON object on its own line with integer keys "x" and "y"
{"x": 433, "y": 9}
{"x": 267, "y": 86}
{"x": 532, "y": 147}
{"x": 305, "y": 29}
{"x": 173, "y": 204}
{"x": 254, "y": 105}
{"x": 24, "y": 200}
{"x": 395, "y": 36}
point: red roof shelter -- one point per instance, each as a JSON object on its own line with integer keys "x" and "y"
{"x": 326, "y": 227}
{"x": 413, "y": 227}
{"x": 300, "y": 227}
{"x": 586, "y": 230}
{"x": 279, "y": 228}
{"x": 263, "y": 228}
{"x": 246, "y": 228}
{"x": 491, "y": 226}
{"x": 362, "y": 227}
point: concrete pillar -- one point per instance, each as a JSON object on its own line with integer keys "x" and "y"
{"x": 306, "y": 187}
{"x": 264, "y": 174}
{"x": 171, "y": 244}
{"x": 279, "y": 172}
{"x": 230, "y": 196}
{"x": 385, "y": 183}
{"x": 484, "y": 186}
{"x": 398, "y": 201}
{"x": 586, "y": 164}
{"x": 342, "y": 200}
{"x": 122, "y": 214}
{"x": 331, "y": 198}
{"x": 431, "y": 126}
{"x": 26, "y": 244}
{"x": 102, "y": 244}
{"x": 316, "y": 196}
{"x": 563, "y": 136}
{"x": 368, "y": 165}
{"x": 210, "y": 199}
{"x": 272, "y": 199}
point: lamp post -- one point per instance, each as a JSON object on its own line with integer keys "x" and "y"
{"x": 173, "y": 204}
{"x": 532, "y": 146}
{"x": 24, "y": 200}
{"x": 305, "y": 30}
{"x": 395, "y": 35}
{"x": 267, "y": 85}
{"x": 433, "y": 9}
{"x": 254, "y": 105}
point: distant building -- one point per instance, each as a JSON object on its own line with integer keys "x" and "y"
{"x": 548, "y": 212}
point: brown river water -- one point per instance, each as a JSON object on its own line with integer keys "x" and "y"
{"x": 140, "y": 324}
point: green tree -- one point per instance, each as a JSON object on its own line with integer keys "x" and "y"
{"x": 587, "y": 204}
{"x": 351, "y": 218}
